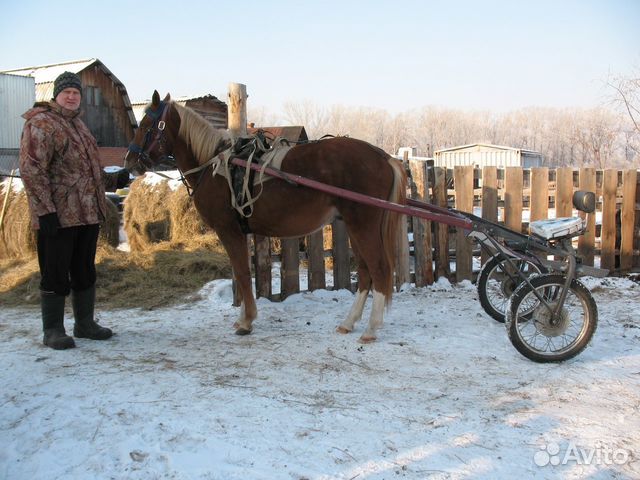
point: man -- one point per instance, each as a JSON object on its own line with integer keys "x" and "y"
{"x": 60, "y": 169}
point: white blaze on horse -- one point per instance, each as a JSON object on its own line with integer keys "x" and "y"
{"x": 173, "y": 135}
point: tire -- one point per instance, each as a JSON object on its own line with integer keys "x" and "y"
{"x": 529, "y": 322}
{"x": 496, "y": 285}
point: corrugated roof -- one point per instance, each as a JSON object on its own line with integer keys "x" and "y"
{"x": 486, "y": 145}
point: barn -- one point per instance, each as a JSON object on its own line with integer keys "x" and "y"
{"x": 209, "y": 107}
{"x": 483, "y": 155}
{"x": 105, "y": 102}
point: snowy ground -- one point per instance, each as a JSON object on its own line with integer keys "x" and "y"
{"x": 442, "y": 394}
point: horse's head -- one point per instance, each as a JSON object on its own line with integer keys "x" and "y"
{"x": 153, "y": 142}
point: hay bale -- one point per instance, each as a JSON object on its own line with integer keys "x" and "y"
{"x": 17, "y": 238}
{"x": 188, "y": 231}
{"x": 110, "y": 227}
{"x": 146, "y": 216}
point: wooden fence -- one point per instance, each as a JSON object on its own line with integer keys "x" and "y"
{"x": 437, "y": 250}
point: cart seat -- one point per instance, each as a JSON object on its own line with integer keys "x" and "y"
{"x": 557, "y": 227}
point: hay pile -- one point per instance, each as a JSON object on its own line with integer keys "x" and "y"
{"x": 146, "y": 216}
{"x": 18, "y": 239}
{"x": 158, "y": 210}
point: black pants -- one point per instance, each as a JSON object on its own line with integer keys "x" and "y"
{"x": 67, "y": 261}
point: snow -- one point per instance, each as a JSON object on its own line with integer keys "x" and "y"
{"x": 441, "y": 394}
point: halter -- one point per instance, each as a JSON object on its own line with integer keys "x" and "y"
{"x": 152, "y": 137}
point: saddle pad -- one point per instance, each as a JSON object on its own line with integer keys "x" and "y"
{"x": 556, "y": 227}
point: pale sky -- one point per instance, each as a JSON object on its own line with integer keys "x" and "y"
{"x": 399, "y": 55}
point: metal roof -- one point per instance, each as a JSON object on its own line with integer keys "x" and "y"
{"x": 487, "y": 145}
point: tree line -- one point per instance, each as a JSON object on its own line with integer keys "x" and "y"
{"x": 607, "y": 136}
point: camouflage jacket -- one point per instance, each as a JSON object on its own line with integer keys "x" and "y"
{"x": 60, "y": 166}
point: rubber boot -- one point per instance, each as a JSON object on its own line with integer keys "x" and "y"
{"x": 83, "y": 302}
{"x": 52, "y": 306}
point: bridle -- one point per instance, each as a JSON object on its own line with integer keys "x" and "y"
{"x": 154, "y": 135}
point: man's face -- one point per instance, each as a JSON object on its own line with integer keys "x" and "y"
{"x": 69, "y": 98}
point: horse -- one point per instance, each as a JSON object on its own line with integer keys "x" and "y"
{"x": 172, "y": 135}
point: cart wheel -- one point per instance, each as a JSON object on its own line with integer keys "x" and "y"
{"x": 498, "y": 280}
{"x": 543, "y": 336}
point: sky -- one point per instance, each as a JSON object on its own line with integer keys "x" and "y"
{"x": 496, "y": 55}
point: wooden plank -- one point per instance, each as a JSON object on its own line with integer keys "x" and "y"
{"x": 422, "y": 239}
{"x": 587, "y": 242}
{"x": 341, "y": 257}
{"x": 627, "y": 218}
{"x": 441, "y": 230}
{"x": 608, "y": 235}
{"x": 489, "y": 198}
{"x": 463, "y": 183}
{"x": 564, "y": 192}
{"x": 539, "y": 200}
{"x": 262, "y": 265}
{"x": 315, "y": 256}
{"x": 513, "y": 198}
{"x": 290, "y": 267}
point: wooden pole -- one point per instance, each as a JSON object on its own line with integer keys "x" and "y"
{"x": 237, "y": 109}
{"x": 237, "y": 121}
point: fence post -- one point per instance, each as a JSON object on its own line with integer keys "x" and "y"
{"x": 315, "y": 256}
{"x": 587, "y": 242}
{"x": 627, "y": 217}
{"x": 608, "y": 233}
{"x": 489, "y": 198}
{"x": 262, "y": 265}
{"x": 341, "y": 257}
{"x": 442, "y": 230}
{"x": 539, "y": 199}
{"x": 513, "y": 198}
{"x": 463, "y": 184}
{"x": 422, "y": 241}
{"x": 290, "y": 267}
{"x": 564, "y": 192}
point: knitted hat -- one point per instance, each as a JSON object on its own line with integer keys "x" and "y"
{"x": 66, "y": 80}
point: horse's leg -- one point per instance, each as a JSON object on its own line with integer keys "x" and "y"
{"x": 375, "y": 320}
{"x": 364, "y": 284}
{"x": 379, "y": 272}
{"x": 235, "y": 243}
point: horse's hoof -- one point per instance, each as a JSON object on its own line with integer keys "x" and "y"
{"x": 243, "y": 331}
{"x": 366, "y": 340}
{"x": 343, "y": 330}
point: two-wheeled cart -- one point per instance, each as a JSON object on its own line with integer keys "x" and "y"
{"x": 530, "y": 281}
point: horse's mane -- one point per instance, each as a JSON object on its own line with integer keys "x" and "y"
{"x": 203, "y": 138}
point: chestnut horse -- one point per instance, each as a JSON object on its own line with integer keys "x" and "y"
{"x": 173, "y": 135}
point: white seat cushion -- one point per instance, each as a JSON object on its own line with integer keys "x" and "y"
{"x": 556, "y": 227}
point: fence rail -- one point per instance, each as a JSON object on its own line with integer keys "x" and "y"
{"x": 513, "y": 196}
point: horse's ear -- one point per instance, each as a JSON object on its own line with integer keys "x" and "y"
{"x": 167, "y": 98}
{"x": 155, "y": 99}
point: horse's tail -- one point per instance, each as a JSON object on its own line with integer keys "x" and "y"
{"x": 391, "y": 221}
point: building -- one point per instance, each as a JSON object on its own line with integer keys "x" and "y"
{"x": 17, "y": 94}
{"x": 105, "y": 103}
{"x": 209, "y": 107}
{"x": 482, "y": 155}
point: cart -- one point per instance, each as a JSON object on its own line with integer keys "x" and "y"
{"x": 530, "y": 281}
